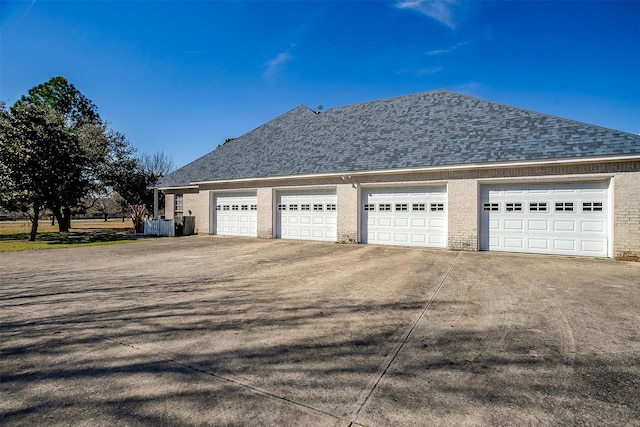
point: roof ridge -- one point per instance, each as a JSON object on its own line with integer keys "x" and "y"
{"x": 390, "y": 98}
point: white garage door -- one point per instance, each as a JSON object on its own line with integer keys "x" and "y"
{"x": 307, "y": 215}
{"x": 405, "y": 216}
{"x": 551, "y": 218}
{"x": 235, "y": 214}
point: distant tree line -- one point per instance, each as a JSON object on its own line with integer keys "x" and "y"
{"x": 57, "y": 154}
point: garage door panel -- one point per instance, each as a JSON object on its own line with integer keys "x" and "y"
{"x": 418, "y": 222}
{"x": 400, "y": 237}
{"x": 538, "y": 225}
{"x": 405, "y": 216}
{"x": 227, "y": 217}
{"x": 564, "y": 245}
{"x": 564, "y": 218}
{"x": 513, "y": 224}
{"x": 308, "y": 215}
{"x": 400, "y": 222}
{"x": 538, "y": 244}
{"x": 593, "y": 246}
{"x": 438, "y": 223}
{"x": 384, "y": 237}
{"x": 593, "y": 226}
{"x": 514, "y": 242}
{"x": 419, "y": 238}
{"x": 564, "y": 226}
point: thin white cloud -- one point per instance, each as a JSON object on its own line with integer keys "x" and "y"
{"x": 440, "y": 10}
{"x": 276, "y": 65}
{"x": 27, "y": 11}
{"x": 437, "y": 52}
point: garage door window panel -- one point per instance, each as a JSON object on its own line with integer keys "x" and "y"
{"x": 514, "y": 207}
{"x": 564, "y": 206}
{"x": 592, "y": 207}
{"x": 538, "y": 207}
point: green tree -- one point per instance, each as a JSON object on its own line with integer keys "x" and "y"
{"x": 34, "y": 147}
{"x": 62, "y": 96}
{"x": 79, "y": 160}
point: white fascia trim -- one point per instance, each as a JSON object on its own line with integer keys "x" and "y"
{"x": 532, "y": 163}
{"x": 186, "y": 187}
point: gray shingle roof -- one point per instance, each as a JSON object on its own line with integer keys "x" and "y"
{"x": 437, "y": 128}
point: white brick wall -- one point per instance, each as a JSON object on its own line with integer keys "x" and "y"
{"x": 347, "y": 213}
{"x": 462, "y": 214}
{"x": 626, "y": 202}
{"x": 265, "y": 212}
{"x": 169, "y": 203}
{"x": 198, "y": 204}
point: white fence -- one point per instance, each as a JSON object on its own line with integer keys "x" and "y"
{"x": 159, "y": 227}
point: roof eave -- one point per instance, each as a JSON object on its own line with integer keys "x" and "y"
{"x": 469, "y": 166}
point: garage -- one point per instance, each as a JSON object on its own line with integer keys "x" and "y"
{"x": 405, "y": 216}
{"x": 235, "y": 214}
{"x": 308, "y": 215}
{"x": 566, "y": 218}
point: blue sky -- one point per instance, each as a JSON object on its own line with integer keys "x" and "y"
{"x": 180, "y": 77}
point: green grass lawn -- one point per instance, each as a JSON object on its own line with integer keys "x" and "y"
{"x": 14, "y": 235}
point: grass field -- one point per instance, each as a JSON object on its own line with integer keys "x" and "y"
{"x": 14, "y": 235}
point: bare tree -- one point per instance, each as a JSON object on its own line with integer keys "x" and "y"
{"x": 158, "y": 163}
{"x": 105, "y": 205}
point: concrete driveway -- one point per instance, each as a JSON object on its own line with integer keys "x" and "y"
{"x": 236, "y": 332}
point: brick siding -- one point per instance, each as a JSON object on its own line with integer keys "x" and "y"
{"x": 463, "y": 193}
